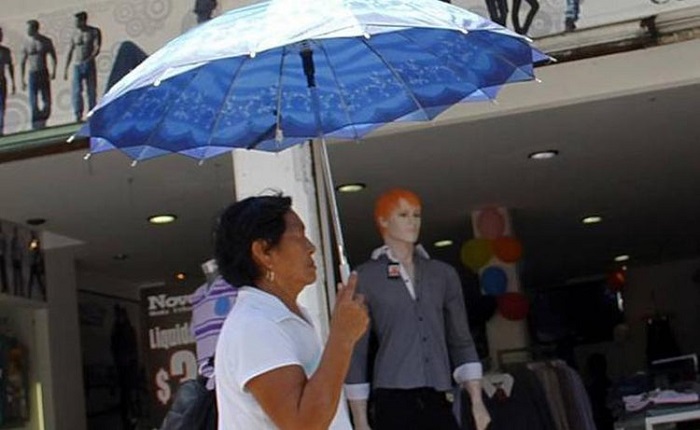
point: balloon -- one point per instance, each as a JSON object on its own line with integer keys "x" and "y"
{"x": 476, "y": 253}
{"x": 616, "y": 280}
{"x": 490, "y": 223}
{"x": 494, "y": 281}
{"x": 507, "y": 249}
{"x": 513, "y": 306}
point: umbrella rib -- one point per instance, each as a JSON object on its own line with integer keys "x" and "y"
{"x": 342, "y": 96}
{"x": 278, "y": 113}
{"x": 397, "y": 77}
{"x": 228, "y": 93}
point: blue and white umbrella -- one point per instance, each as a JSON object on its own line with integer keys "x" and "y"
{"x": 281, "y": 72}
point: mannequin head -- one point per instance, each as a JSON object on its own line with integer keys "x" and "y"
{"x": 397, "y": 214}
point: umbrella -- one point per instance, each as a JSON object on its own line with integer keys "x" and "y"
{"x": 281, "y": 72}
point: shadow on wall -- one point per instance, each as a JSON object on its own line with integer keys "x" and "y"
{"x": 129, "y": 55}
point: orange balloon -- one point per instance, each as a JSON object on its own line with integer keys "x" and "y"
{"x": 507, "y": 249}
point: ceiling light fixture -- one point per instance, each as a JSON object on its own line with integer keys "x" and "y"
{"x": 181, "y": 276}
{"x": 543, "y": 155}
{"x": 621, "y": 258}
{"x": 162, "y": 219}
{"x": 351, "y": 188}
{"x": 36, "y": 221}
{"x": 443, "y": 243}
{"x": 593, "y": 219}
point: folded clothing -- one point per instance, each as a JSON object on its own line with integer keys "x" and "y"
{"x": 638, "y": 402}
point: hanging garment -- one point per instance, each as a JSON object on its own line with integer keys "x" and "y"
{"x": 515, "y": 401}
{"x": 211, "y": 303}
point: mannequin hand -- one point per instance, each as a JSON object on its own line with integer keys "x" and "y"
{"x": 481, "y": 416}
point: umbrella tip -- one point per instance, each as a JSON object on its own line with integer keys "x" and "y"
{"x": 70, "y": 139}
{"x": 87, "y": 156}
{"x": 200, "y": 162}
{"x": 279, "y": 135}
{"x": 252, "y": 54}
{"x": 538, "y": 80}
{"x": 134, "y": 163}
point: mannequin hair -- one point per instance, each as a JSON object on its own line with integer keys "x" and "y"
{"x": 389, "y": 200}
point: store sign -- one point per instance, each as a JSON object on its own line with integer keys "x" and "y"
{"x": 170, "y": 347}
{"x": 125, "y": 32}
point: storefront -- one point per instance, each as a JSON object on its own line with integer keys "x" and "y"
{"x": 472, "y": 168}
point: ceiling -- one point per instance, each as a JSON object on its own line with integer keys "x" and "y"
{"x": 632, "y": 159}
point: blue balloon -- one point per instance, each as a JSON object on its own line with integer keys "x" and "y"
{"x": 494, "y": 281}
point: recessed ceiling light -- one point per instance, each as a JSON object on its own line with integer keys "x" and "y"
{"x": 36, "y": 221}
{"x": 443, "y": 243}
{"x": 120, "y": 257}
{"x": 180, "y": 276}
{"x": 162, "y": 219}
{"x": 594, "y": 219}
{"x": 621, "y": 258}
{"x": 351, "y": 188}
{"x": 543, "y": 155}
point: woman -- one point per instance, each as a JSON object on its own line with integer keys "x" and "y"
{"x": 271, "y": 369}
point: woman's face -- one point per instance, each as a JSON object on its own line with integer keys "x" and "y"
{"x": 403, "y": 224}
{"x": 291, "y": 259}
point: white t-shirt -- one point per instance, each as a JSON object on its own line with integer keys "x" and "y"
{"x": 259, "y": 335}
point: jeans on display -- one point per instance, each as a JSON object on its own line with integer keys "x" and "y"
{"x": 39, "y": 84}
{"x": 572, "y": 9}
{"x": 84, "y": 73}
{"x": 498, "y": 11}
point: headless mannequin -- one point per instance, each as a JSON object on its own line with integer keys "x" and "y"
{"x": 400, "y": 231}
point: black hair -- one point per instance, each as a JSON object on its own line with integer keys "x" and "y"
{"x": 241, "y": 224}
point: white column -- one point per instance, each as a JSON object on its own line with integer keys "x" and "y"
{"x": 65, "y": 408}
{"x": 292, "y": 172}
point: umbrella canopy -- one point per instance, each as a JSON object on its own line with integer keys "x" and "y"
{"x": 280, "y": 72}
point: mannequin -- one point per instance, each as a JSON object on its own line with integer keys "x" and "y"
{"x": 420, "y": 324}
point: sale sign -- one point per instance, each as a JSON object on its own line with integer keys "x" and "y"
{"x": 170, "y": 346}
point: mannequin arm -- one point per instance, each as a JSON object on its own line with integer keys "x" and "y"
{"x": 479, "y": 411}
{"x": 358, "y": 409}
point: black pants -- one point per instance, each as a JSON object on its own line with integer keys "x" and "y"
{"x": 414, "y": 409}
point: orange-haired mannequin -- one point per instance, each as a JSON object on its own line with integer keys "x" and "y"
{"x": 420, "y": 324}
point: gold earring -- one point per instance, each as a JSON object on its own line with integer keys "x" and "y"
{"x": 270, "y": 276}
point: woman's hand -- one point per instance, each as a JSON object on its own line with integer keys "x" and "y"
{"x": 350, "y": 317}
